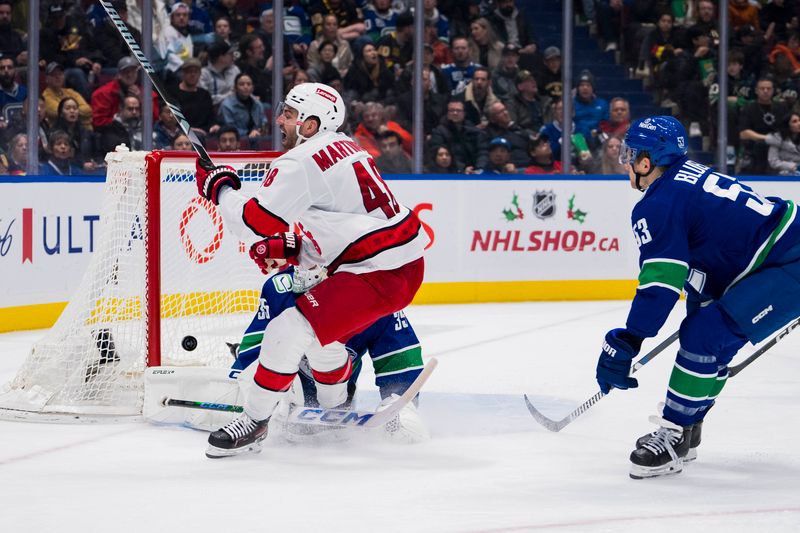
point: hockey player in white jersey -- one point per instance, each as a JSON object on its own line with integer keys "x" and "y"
{"x": 352, "y": 229}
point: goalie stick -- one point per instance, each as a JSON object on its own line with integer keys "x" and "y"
{"x": 126, "y": 35}
{"x": 558, "y": 425}
{"x": 328, "y": 417}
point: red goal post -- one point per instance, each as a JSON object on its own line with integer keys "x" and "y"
{"x": 167, "y": 283}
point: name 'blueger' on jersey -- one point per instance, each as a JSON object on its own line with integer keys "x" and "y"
{"x": 737, "y": 255}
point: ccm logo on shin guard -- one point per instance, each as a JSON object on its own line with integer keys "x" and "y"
{"x": 609, "y": 350}
{"x": 762, "y": 314}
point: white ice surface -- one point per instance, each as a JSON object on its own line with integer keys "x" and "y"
{"x": 488, "y": 468}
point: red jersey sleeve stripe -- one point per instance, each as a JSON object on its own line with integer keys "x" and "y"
{"x": 380, "y": 240}
{"x": 261, "y": 220}
{"x": 340, "y": 375}
{"x": 273, "y": 381}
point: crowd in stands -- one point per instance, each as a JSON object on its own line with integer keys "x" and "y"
{"x": 493, "y": 99}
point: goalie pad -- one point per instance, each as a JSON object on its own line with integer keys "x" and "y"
{"x": 201, "y": 384}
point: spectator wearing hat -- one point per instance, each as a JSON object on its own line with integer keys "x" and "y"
{"x": 219, "y": 75}
{"x": 107, "y": 38}
{"x": 549, "y": 80}
{"x": 55, "y": 91}
{"x": 510, "y": 27}
{"x": 174, "y": 42}
{"x": 504, "y": 77}
{"x": 397, "y": 47}
{"x": 69, "y": 43}
{"x": 484, "y": 46}
{"x": 542, "y": 161}
{"x": 240, "y": 109}
{"x": 467, "y": 143}
{"x": 12, "y": 41}
{"x": 393, "y": 160}
{"x": 589, "y": 109}
{"x": 348, "y": 16}
{"x": 330, "y": 33}
{"x": 526, "y": 107}
{"x": 500, "y": 160}
{"x": 459, "y": 73}
{"x": 228, "y": 138}
{"x": 501, "y": 125}
{"x": 379, "y": 19}
{"x": 619, "y": 119}
{"x": 195, "y": 102}
{"x": 107, "y": 99}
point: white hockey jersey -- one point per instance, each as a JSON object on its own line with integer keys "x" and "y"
{"x": 332, "y": 189}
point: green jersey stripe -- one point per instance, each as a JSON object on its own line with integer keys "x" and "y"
{"x": 665, "y": 272}
{"x": 399, "y": 361}
{"x": 248, "y": 341}
{"x": 389, "y": 354}
{"x": 384, "y": 374}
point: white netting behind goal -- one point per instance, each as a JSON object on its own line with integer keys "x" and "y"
{"x": 91, "y": 362}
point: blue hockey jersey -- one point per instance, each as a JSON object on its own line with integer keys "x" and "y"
{"x": 704, "y": 231}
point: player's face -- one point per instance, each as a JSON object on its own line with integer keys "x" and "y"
{"x": 287, "y": 122}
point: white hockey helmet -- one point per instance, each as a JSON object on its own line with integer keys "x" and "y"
{"x": 316, "y": 100}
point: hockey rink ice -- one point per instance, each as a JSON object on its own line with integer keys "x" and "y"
{"x": 489, "y": 467}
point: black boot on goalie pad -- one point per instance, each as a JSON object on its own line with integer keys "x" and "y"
{"x": 241, "y": 435}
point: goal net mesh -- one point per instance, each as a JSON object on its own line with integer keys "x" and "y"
{"x": 92, "y": 361}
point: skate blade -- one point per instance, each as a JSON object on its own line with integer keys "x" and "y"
{"x": 645, "y": 472}
{"x": 212, "y": 452}
{"x": 691, "y": 455}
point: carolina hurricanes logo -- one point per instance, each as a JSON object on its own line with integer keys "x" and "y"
{"x": 325, "y": 94}
{"x": 261, "y": 249}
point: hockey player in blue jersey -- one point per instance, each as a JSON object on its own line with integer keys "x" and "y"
{"x": 392, "y": 344}
{"x": 737, "y": 255}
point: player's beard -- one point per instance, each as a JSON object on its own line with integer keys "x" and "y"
{"x": 288, "y": 138}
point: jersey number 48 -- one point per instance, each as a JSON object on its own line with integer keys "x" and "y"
{"x": 374, "y": 192}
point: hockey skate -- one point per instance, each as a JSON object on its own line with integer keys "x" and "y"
{"x": 662, "y": 451}
{"x": 694, "y": 441}
{"x": 241, "y": 435}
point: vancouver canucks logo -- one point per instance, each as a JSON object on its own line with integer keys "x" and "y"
{"x": 544, "y": 204}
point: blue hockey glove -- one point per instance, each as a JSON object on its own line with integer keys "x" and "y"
{"x": 614, "y": 364}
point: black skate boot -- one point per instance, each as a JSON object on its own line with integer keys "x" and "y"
{"x": 694, "y": 442}
{"x": 662, "y": 452}
{"x": 239, "y": 436}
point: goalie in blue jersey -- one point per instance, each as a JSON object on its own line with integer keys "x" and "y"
{"x": 734, "y": 252}
{"x": 393, "y": 347}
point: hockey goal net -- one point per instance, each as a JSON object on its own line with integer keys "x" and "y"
{"x": 167, "y": 284}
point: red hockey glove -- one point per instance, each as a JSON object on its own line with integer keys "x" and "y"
{"x": 275, "y": 251}
{"x": 210, "y": 181}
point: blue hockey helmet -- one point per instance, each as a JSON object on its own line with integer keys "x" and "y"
{"x": 662, "y": 137}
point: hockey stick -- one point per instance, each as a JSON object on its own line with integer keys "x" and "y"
{"x": 123, "y": 30}
{"x": 558, "y": 425}
{"x": 328, "y": 417}
{"x": 732, "y": 371}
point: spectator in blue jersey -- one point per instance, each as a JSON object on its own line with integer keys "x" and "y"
{"x": 379, "y": 19}
{"x": 589, "y": 109}
{"x": 554, "y": 129}
{"x": 459, "y": 73}
{"x": 393, "y": 347}
{"x": 330, "y": 33}
{"x": 735, "y": 253}
{"x": 59, "y": 156}
{"x": 467, "y": 143}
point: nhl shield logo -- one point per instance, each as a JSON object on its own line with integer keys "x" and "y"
{"x": 544, "y": 204}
